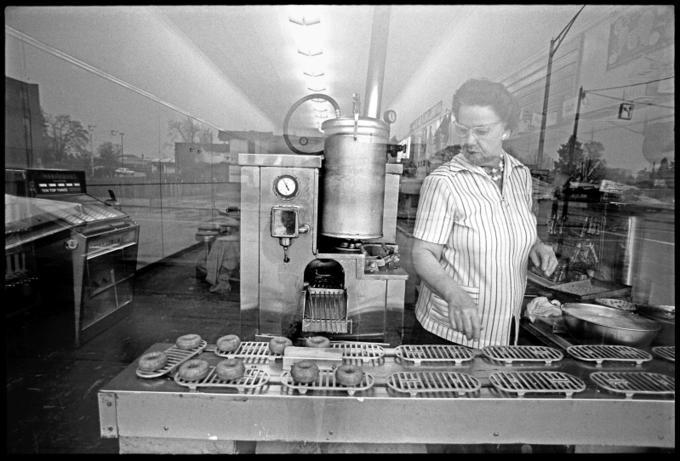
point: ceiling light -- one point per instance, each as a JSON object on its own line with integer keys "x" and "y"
{"x": 313, "y": 74}
{"x": 316, "y": 90}
{"x": 304, "y": 21}
{"x": 310, "y": 52}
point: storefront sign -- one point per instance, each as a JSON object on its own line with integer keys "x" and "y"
{"x": 640, "y": 32}
{"x": 569, "y": 107}
{"x": 430, "y": 114}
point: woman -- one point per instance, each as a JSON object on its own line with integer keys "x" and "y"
{"x": 474, "y": 230}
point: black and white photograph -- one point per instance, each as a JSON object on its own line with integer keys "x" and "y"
{"x": 386, "y": 229}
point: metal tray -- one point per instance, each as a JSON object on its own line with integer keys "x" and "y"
{"x": 540, "y": 382}
{"x": 176, "y": 357}
{"x": 433, "y": 353}
{"x": 251, "y": 352}
{"x": 665, "y": 352}
{"x": 427, "y": 382}
{"x": 634, "y": 382}
{"x": 326, "y": 382}
{"x": 592, "y": 288}
{"x": 360, "y": 353}
{"x": 510, "y": 354}
{"x": 609, "y": 353}
{"x": 253, "y": 379}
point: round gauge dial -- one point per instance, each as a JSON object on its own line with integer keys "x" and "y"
{"x": 286, "y": 186}
{"x": 390, "y": 116}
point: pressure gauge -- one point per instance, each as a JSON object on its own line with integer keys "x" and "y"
{"x": 286, "y": 186}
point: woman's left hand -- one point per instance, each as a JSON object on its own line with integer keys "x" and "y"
{"x": 543, "y": 256}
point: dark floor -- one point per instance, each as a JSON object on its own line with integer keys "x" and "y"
{"x": 52, "y": 387}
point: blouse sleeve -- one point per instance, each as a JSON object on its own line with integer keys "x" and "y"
{"x": 529, "y": 190}
{"x": 436, "y": 211}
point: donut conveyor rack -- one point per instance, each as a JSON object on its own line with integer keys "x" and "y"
{"x": 176, "y": 357}
{"x": 326, "y": 381}
{"x": 253, "y": 380}
{"x": 251, "y": 352}
{"x": 437, "y": 382}
{"x": 619, "y": 394}
{"x": 665, "y": 352}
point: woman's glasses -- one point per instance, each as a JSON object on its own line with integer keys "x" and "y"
{"x": 479, "y": 132}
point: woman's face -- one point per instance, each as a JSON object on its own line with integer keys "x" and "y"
{"x": 481, "y": 133}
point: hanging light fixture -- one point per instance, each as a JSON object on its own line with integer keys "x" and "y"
{"x": 310, "y": 52}
{"x": 303, "y": 21}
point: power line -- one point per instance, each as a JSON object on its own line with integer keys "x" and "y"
{"x": 632, "y": 84}
{"x": 624, "y": 99}
{"x": 83, "y": 65}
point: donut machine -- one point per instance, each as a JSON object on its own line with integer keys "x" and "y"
{"x": 311, "y": 265}
{"x": 318, "y": 228}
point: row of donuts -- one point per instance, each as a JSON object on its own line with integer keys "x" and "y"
{"x": 302, "y": 372}
{"x": 152, "y": 361}
{"x": 277, "y": 345}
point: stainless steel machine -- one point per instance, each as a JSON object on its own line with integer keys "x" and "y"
{"x": 340, "y": 278}
{"x": 318, "y": 229}
{"x": 84, "y": 250}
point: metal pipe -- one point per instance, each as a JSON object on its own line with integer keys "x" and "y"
{"x": 630, "y": 251}
{"x": 376, "y": 60}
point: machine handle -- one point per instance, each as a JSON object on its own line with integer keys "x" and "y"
{"x": 292, "y": 109}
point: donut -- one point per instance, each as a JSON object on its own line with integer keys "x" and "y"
{"x": 304, "y": 371}
{"x": 318, "y": 341}
{"x": 188, "y": 342}
{"x": 349, "y": 375}
{"x": 230, "y": 369}
{"x": 228, "y": 343}
{"x": 279, "y": 343}
{"x": 193, "y": 370}
{"x": 152, "y": 361}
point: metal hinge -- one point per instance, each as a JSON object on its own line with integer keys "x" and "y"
{"x": 108, "y": 420}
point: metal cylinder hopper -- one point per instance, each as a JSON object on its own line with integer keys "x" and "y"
{"x": 354, "y": 178}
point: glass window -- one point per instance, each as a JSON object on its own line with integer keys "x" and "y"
{"x": 155, "y": 105}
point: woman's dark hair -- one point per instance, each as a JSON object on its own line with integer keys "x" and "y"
{"x": 483, "y": 92}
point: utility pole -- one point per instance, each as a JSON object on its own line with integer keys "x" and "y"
{"x": 554, "y": 45}
{"x": 90, "y": 131}
{"x": 122, "y": 151}
{"x": 572, "y": 144}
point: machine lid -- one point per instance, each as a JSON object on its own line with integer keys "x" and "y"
{"x": 364, "y": 127}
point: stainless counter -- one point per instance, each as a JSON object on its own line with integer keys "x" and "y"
{"x": 161, "y": 409}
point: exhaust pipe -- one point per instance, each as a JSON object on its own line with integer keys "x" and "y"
{"x": 376, "y": 61}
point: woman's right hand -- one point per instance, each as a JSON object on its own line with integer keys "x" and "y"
{"x": 463, "y": 314}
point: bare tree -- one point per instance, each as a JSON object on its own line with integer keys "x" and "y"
{"x": 66, "y": 138}
{"x": 189, "y": 130}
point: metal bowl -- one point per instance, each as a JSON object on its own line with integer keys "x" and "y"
{"x": 663, "y": 311}
{"x": 595, "y": 324}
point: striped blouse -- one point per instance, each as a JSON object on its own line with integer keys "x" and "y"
{"x": 487, "y": 237}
